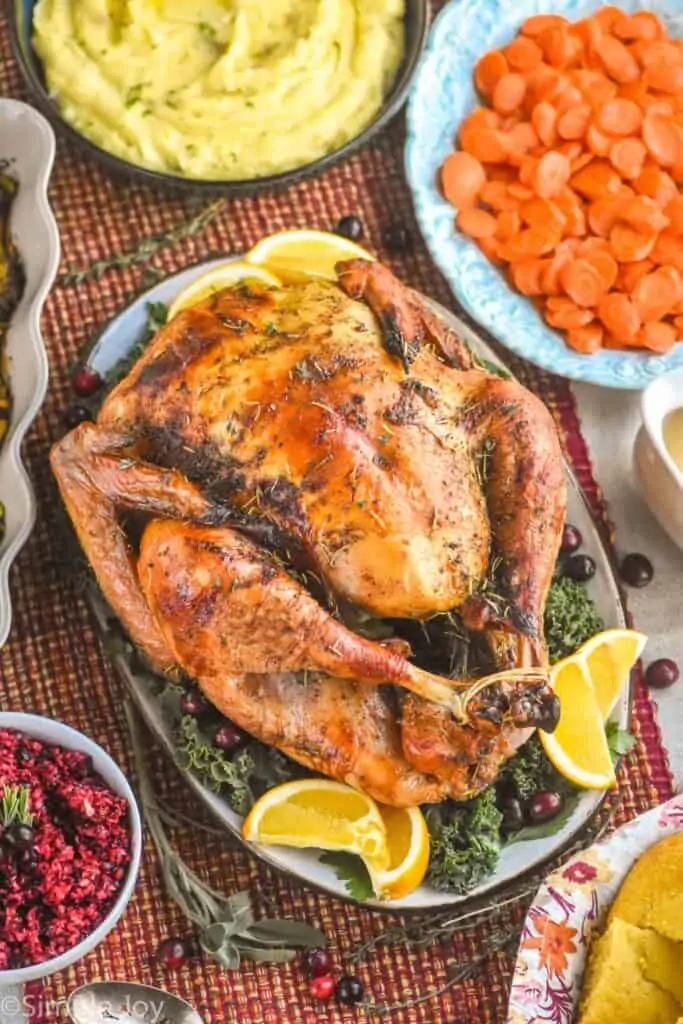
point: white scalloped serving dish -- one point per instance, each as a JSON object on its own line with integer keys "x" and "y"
{"x": 27, "y": 147}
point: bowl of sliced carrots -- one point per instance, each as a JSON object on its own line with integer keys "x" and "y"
{"x": 545, "y": 154}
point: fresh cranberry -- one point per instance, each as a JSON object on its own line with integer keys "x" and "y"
{"x": 85, "y": 381}
{"x": 662, "y": 673}
{"x": 543, "y": 806}
{"x": 76, "y": 414}
{"x": 318, "y": 962}
{"x": 322, "y": 987}
{"x": 513, "y": 815}
{"x": 193, "y": 703}
{"x": 173, "y": 953}
{"x": 349, "y": 990}
{"x": 636, "y": 570}
{"x": 571, "y": 540}
{"x": 579, "y": 568}
{"x": 227, "y": 737}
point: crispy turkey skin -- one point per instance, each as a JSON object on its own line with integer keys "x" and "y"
{"x": 345, "y": 428}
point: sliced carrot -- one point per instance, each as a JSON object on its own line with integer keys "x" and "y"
{"x": 542, "y": 213}
{"x": 560, "y": 46}
{"x": 604, "y": 213}
{"x": 668, "y": 250}
{"x": 609, "y": 16}
{"x": 620, "y": 117}
{"x": 489, "y": 71}
{"x": 657, "y": 293}
{"x": 591, "y": 243}
{"x": 476, "y": 223}
{"x": 659, "y": 53}
{"x": 527, "y": 171}
{"x": 479, "y": 118}
{"x": 619, "y": 316}
{"x": 581, "y": 161}
{"x": 627, "y": 157}
{"x": 491, "y": 249}
{"x": 509, "y": 93}
{"x": 527, "y": 276}
{"x": 662, "y": 139}
{"x": 501, "y": 172}
{"x": 678, "y": 324}
{"x": 596, "y": 87}
{"x": 520, "y": 192}
{"x": 552, "y": 174}
{"x": 530, "y": 242}
{"x": 596, "y": 180}
{"x": 619, "y": 63}
{"x": 628, "y": 244}
{"x": 599, "y": 143}
{"x": 656, "y": 184}
{"x": 541, "y": 83}
{"x": 574, "y": 123}
{"x": 523, "y": 54}
{"x": 496, "y": 195}
{"x": 642, "y": 25}
{"x": 657, "y": 336}
{"x": 462, "y": 179}
{"x": 605, "y": 265}
{"x": 489, "y": 145}
{"x": 565, "y": 314}
{"x": 538, "y": 23}
{"x": 674, "y": 211}
{"x": 509, "y": 225}
{"x": 521, "y": 138}
{"x": 643, "y": 214}
{"x": 582, "y": 283}
{"x": 544, "y": 120}
{"x": 586, "y": 339}
{"x": 565, "y": 96}
{"x": 664, "y": 76}
{"x": 634, "y": 91}
{"x": 551, "y": 275}
{"x": 631, "y": 273}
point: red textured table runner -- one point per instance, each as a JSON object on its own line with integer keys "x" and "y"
{"x": 55, "y": 665}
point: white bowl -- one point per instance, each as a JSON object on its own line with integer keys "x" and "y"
{"x": 27, "y": 144}
{"x": 660, "y": 478}
{"x": 57, "y": 733}
{"x": 569, "y": 909}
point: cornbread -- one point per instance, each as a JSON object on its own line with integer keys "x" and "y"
{"x": 635, "y": 969}
{"x": 631, "y": 973}
{"x": 652, "y": 894}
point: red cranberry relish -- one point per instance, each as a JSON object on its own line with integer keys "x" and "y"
{"x": 55, "y": 892}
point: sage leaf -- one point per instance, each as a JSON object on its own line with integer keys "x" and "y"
{"x": 285, "y": 932}
{"x": 226, "y": 953}
{"x": 260, "y": 954}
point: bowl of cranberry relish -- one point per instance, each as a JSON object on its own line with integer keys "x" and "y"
{"x": 70, "y": 846}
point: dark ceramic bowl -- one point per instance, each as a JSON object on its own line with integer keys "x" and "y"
{"x": 21, "y": 16}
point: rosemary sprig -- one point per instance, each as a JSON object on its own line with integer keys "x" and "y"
{"x": 14, "y": 806}
{"x": 147, "y": 248}
{"x": 228, "y": 930}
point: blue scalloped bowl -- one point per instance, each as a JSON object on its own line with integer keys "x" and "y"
{"x": 442, "y": 95}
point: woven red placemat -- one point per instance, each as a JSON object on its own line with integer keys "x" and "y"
{"x": 55, "y": 665}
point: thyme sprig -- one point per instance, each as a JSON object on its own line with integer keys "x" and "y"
{"x": 228, "y": 929}
{"x": 14, "y": 806}
{"x": 147, "y": 248}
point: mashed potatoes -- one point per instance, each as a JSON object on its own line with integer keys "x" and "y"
{"x": 220, "y": 89}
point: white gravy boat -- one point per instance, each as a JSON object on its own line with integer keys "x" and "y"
{"x": 660, "y": 478}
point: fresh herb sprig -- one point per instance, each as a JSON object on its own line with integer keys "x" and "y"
{"x": 228, "y": 929}
{"x": 147, "y": 248}
{"x": 14, "y": 806}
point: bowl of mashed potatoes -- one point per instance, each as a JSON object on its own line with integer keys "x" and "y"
{"x": 219, "y": 95}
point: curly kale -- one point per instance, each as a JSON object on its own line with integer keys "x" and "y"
{"x": 570, "y": 618}
{"x": 466, "y": 842}
{"x": 242, "y": 778}
{"x": 529, "y": 772}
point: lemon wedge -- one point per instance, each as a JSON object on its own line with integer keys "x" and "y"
{"x": 408, "y": 845}
{"x": 297, "y": 255}
{"x": 224, "y": 276}
{"x": 323, "y": 814}
{"x": 588, "y": 684}
{"x": 393, "y": 842}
